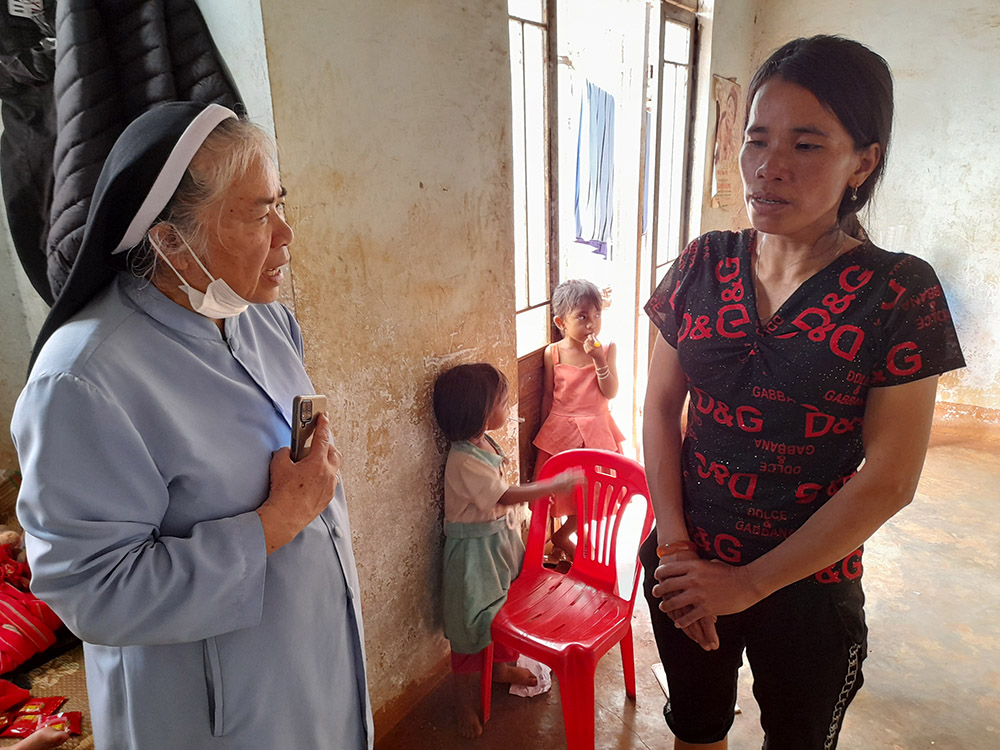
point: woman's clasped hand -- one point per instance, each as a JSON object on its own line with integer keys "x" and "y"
{"x": 694, "y": 589}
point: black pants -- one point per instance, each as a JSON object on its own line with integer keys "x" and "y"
{"x": 805, "y": 644}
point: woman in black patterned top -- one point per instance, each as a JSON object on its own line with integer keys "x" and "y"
{"x": 811, "y": 360}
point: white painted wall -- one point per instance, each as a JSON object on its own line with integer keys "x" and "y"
{"x": 725, "y": 50}
{"x": 238, "y": 31}
{"x": 22, "y": 312}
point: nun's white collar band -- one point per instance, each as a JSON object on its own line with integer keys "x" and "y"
{"x": 170, "y": 175}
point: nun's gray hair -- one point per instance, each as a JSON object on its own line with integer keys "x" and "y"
{"x": 228, "y": 154}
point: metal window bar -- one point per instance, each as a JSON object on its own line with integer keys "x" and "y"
{"x": 534, "y": 143}
{"x": 670, "y": 196}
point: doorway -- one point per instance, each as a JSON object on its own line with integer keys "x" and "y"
{"x": 601, "y": 99}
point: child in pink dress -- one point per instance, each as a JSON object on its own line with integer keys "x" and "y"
{"x": 580, "y": 379}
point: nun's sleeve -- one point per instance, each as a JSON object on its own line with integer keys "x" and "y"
{"x": 91, "y": 506}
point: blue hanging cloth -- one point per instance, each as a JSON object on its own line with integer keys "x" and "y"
{"x": 595, "y": 169}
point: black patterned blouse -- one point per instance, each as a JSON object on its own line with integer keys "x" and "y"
{"x": 776, "y": 407}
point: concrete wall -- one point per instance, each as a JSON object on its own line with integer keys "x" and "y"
{"x": 939, "y": 198}
{"x": 393, "y": 120}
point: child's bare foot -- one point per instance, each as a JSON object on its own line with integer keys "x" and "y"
{"x": 508, "y": 673}
{"x": 562, "y": 539}
{"x": 469, "y": 725}
{"x": 466, "y": 715}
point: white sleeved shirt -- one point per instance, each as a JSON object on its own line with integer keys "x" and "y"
{"x": 473, "y": 483}
{"x": 144, "y": 436}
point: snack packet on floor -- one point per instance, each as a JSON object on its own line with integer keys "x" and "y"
{"x": 41, "y": 706}
{"x": 67, "y": 721}
{"x": 21, "y": 726}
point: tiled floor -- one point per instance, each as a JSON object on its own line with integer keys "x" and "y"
{"x": 932, "y": 678}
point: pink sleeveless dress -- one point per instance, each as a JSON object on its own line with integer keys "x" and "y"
{"x": 579, "y": 417}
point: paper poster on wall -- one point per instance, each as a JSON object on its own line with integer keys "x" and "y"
{"x": 725, "y": 167}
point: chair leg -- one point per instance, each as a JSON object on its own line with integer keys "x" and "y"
{"x": 576, "y": 690}
{"x": 486, "y": 682}
{"x": 628, "y": 663}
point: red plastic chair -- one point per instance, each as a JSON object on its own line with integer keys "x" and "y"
{"x": 569, "y": 621}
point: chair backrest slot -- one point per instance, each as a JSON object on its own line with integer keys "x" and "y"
{"x": 614, "y": 484}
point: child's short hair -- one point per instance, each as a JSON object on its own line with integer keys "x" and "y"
{"x": 464, "y": 396}
{"x": 573, "y": 294}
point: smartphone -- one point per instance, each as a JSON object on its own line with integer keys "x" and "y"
{"x": 305, "y": 411}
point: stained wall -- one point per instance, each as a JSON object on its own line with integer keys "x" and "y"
{"x": 393, "y": 121}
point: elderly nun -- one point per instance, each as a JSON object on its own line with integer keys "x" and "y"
{"x": 211, "y": 579}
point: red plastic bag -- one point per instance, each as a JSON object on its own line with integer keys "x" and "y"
{"x": 11, "y": 695}
{"x": 33, "y": 605}
{"x": 24, "y": 627}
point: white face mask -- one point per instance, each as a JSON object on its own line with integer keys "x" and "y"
{"x": 217, "y": 301}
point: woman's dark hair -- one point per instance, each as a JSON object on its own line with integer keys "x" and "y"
{"x": 464, "y": 396}
{"x": 851, "y": 81}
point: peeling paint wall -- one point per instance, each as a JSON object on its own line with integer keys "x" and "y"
{"x": 393, "y": 121}
{"x": 940, "y": 199}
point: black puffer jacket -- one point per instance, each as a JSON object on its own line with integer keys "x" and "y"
{"x": 27, "y": 65}
{"x": 114, "y": 60}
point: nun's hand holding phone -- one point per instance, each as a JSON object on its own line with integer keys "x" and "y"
{"x": 299, "y": 490}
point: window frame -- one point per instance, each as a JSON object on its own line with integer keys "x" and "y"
{"x": 674, "y": 11}
{"x": 550, "y": 265}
